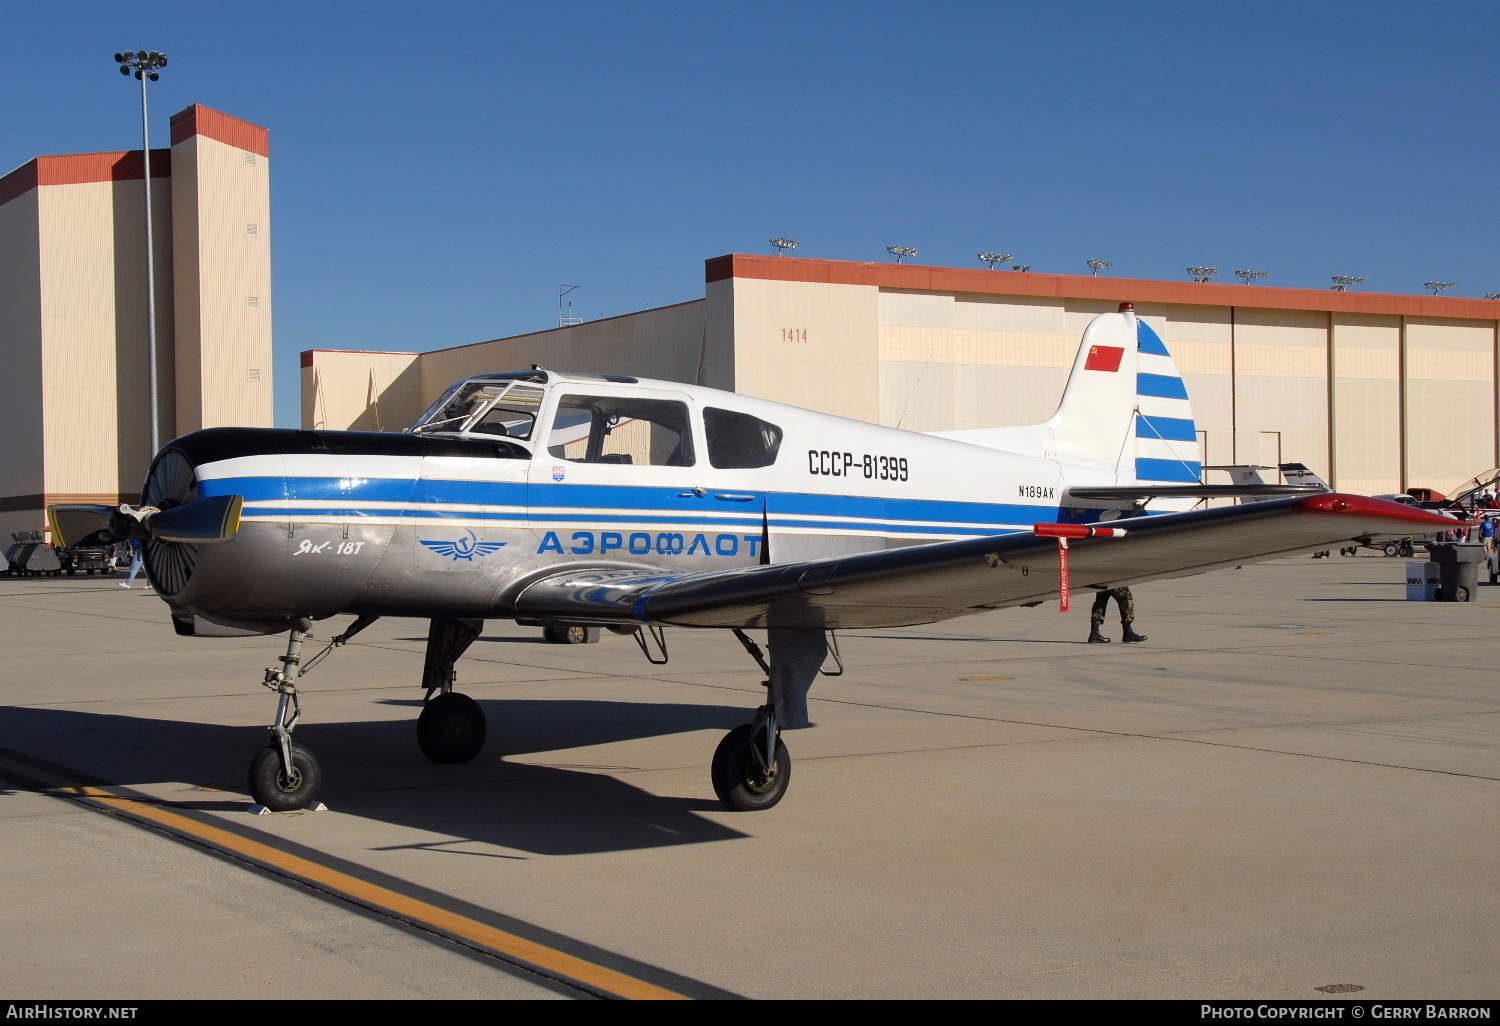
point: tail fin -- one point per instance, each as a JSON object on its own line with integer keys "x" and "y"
{"x": 1124, "y": 409}
{"x": 1298, "y": 474}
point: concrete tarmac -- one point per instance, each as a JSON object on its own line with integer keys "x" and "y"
{"x": 1292, "y": 784}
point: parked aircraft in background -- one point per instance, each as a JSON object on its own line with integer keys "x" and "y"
{"x": 607, "y": 501}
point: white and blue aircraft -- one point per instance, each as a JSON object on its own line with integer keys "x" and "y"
{"x": 573, "y": 500}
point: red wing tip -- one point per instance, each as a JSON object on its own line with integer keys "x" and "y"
{"x": 1364, "y": 505}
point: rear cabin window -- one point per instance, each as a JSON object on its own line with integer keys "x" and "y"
{"x": 738, "y": 441}
{"x": 614, "y": 429}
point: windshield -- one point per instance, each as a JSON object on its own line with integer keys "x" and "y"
{"x": 501, "y": 408}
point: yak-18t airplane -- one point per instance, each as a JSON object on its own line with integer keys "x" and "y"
{"x": 604, "y": 500}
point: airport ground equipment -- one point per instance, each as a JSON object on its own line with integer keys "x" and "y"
{"x": 1458, "y": 569}
{"x": 30, "y": 556}
{"x": 91, "y": 559}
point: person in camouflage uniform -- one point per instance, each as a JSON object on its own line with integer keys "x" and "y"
{"x": 1126, "y": 602}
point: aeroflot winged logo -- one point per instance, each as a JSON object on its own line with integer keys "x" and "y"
{"x": 465, "y": 548}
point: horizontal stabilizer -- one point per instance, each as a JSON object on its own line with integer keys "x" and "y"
{"x": 1127, "y": 492}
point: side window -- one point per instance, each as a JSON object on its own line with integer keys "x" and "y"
{"x": 615, "y": 429}
{"x": 738, "y": 441}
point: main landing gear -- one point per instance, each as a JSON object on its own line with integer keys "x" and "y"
{"x": 752, "y": 769}
{"x": 452, "y": 727}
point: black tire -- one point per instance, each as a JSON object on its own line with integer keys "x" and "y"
{"x": 574, "y": 635}
{"x": 1391, "y": 549}
{"x": 270, "y": 787}
{"x": 1460, "y": 594}
{"x": 1405, "y": 550}
{"x": 736, "y": 776}
{"x": 451, "y": 729}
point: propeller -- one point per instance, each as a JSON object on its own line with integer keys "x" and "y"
{"x": 198, "y": 522}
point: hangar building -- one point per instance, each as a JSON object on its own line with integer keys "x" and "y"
{"x": 74, "y": 396}
{"x": 1375, "y": 392}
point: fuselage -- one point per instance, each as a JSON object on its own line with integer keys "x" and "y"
{"x": 586, "y": 470}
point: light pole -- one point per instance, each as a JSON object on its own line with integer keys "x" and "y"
{"x": 901, "y": 251}
{"x": 782, "y": 245}
{"x": 1439, "y": 287}
{"x": 1250, "y": 276}
{"x": 1342, "y": 282}
{"x": 145, "y": 65}
{"x": 1202, "y": 274}
{"x": 996, "y": 258}
{"x": 1100, "y": 265}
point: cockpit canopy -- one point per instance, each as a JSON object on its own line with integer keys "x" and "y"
{"x": 590, "y": 426}
{"x": 494, "y": 404}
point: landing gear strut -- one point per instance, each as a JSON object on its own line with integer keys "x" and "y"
{"x": 284, "y": 776}
{"x": 752, "y": 769}
{"x": 452, "y": 727}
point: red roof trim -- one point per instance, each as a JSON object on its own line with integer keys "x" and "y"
{"x": 83, "y": 169}
{"x": 1077, "y": 286}
{"x": 224, "y": 128}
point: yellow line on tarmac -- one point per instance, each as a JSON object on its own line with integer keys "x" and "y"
{"x": 371, "y": 894}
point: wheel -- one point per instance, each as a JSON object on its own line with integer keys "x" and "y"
{"x": 738, "y": 780}
{"x": 71, "y": 571}
{"x": 1405, "y": 550}
{"x": 1460, "y": 594}
{"x": 451, "y": 728}
{"x": 573, "y": 635}
{"x": 1391, "y": 548}
{"x": 270, "y": 787}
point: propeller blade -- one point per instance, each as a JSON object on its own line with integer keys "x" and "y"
{"x": 82, "y": 525}
{"x": 200, "y": 522}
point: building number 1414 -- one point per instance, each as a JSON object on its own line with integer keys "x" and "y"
{"x": 794, "y": 334}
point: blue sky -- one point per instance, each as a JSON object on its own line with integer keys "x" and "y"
{"x": 438, "y": 169}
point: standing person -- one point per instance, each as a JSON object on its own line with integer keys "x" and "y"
{"x": 1126, "y": 602}
{"x": 1487, "y": 535}
{"x": 135, "y": 563}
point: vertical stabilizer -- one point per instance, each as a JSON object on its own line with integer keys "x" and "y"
{"x": 1124, "y": 413}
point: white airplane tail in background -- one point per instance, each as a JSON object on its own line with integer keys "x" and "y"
{"x": 1124, "y": 411}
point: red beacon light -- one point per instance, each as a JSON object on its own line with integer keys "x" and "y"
{"x": 1127, "y": 306}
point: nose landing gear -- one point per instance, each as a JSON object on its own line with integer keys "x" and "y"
{"x": 284, "y": 776}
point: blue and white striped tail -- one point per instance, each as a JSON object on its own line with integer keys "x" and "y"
{"x": 1166, "y": 437}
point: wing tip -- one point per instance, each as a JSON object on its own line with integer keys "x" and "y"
{"x": 1344, "y": 504}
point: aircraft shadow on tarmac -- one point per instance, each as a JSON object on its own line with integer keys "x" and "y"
{"x": 374, "y": 769}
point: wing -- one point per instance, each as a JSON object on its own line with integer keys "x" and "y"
{"x": 927, "y": 583}
{"x": 442, "y": 548}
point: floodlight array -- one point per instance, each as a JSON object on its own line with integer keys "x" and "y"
{"x": 143, "y": 62}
